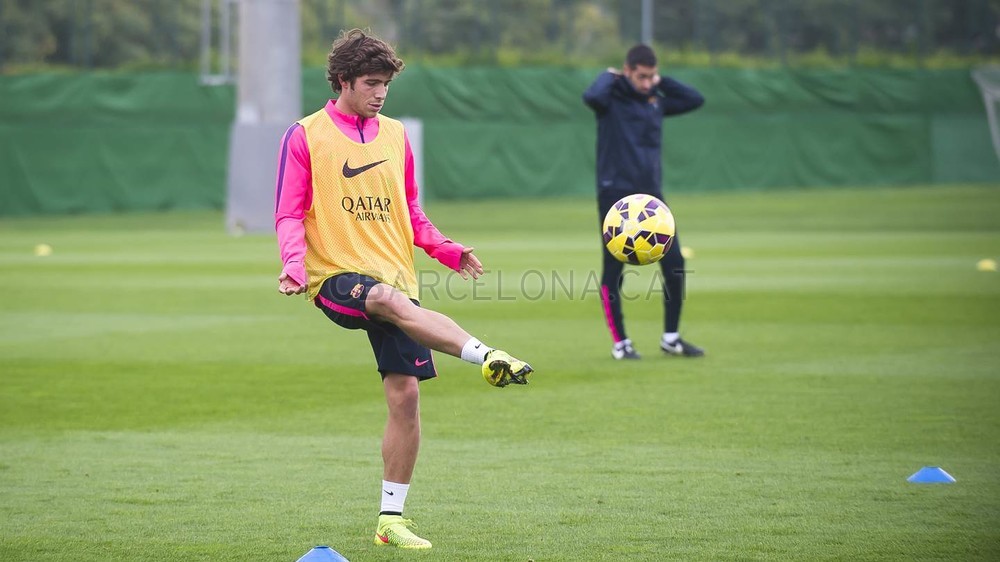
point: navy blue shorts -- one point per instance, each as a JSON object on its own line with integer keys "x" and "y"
{"x": 342, "y": 299}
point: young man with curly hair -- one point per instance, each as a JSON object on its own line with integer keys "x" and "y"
{"x": 348, "y": 220}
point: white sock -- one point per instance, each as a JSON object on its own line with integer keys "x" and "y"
{"x": 671, "y": 337}
{"x": 393, "y": 496}
{"x": 475, "y": 351}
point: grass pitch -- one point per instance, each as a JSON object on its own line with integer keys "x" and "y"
{"x": 159, "y": 399}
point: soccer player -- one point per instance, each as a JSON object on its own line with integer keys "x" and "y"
{"x": 347, "y": 220}
{"x": 630, "y": 106}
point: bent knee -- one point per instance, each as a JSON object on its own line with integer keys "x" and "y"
{"x": 387, "y": 303}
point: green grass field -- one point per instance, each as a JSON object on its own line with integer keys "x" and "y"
{"x": 160, "y": 401}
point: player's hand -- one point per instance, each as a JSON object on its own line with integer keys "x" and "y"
{"x": 288, "y": 286}
{"x": 469, "y": 265}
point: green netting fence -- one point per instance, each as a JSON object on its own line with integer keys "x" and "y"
{"x": 98, "y": 142}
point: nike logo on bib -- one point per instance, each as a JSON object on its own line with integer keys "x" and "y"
{"x": 350, "y": 172}
{"x": 420, "y": 363}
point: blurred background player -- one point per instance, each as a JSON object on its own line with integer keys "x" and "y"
{"x": 347, "y": 220}
{"x": 630, "y": 105}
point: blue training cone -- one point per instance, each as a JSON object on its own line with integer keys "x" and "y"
{"x": 323, "y": 554}
{"x": 931, "y": 475}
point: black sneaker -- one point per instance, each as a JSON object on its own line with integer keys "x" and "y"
{"x": 682, "y": 348}
{"x": 624, "y": 350}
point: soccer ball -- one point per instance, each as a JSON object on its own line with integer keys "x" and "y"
{"x": 638, "y": 229}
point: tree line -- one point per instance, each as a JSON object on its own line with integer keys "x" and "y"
{"x": 167, "y": 33}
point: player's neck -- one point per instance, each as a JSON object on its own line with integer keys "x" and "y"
{"x": 344, "y": 109}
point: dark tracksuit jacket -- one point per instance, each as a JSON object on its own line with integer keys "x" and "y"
{"x": 629, "y": 133}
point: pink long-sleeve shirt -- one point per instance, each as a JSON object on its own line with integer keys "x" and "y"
{"x": 293, "y": 196}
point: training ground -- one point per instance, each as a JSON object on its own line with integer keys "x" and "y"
{"x": 159, "y": 400}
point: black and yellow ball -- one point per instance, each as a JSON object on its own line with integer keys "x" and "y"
{"x": 639, "y": 229}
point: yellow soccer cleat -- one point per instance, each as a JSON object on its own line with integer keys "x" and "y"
{"x": 500, "y": 369}
{"x": 393, "y": 531}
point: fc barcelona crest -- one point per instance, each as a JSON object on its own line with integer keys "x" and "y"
{"x": 357, "y": 290}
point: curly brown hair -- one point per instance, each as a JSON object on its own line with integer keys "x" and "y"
{"x": 357, "y": 53}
